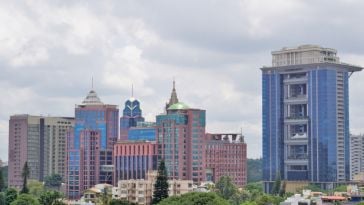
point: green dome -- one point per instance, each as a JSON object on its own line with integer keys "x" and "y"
{"x": 178, "y": 106}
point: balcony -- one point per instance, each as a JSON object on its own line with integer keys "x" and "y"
{"x": 296, "y": 99}
{"x": 296, "y": 119}
{"x": 297, "y": 157}
{"x": 298, "y": 79}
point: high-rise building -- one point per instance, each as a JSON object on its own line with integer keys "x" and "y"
{"x": 40, "y": 141}
{"x": 226, "y": 156}
{"x": 181, "y": 140}
{"x": 90, "y": 145}
{"x": 356, "y": 155}
{"x": 133, "y": 159}
{"x": 132, "y": 114}
{"x": 306, "y": 117}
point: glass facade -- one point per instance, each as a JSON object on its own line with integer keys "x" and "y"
{"x": 142, "y": 134}
{"x": 181, "y": 141}
{"x": 132, "y": 114}
{"x": 90, "y": 145}
{"x": 305, "y": 124}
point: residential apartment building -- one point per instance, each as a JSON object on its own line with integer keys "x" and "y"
{"x": 90, "y": 145}
{"x": 356, "y": 155}
{"x": 226, "y": 156}
{"x": 306, "y": 117}
{"x": 181, "y": 140}
{"x": 140, "y": 191}
{"x": 40, "y": 141}
{"x": 133, "y": 159}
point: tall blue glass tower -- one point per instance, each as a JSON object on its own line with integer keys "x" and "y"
{"x": 306, "y": 117}
{"x": 90, "y": 145}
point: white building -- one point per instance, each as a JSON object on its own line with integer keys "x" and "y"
{"x": 140, "y": 191}
{"x": 356, "y": 155}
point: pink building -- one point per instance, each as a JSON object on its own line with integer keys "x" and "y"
{"x": 226, "y": 156}
{"x": 90, "y": 145}
{"x": 181, "y": 140}
{"x": 133, "y": 159}
{"x": 40, "y": 141}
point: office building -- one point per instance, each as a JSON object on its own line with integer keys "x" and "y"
{"x": 132, "y": 114}
{"x": 90, "y": 145}
{"x": 306, "y": 117}
{"x": 40, "y": 141}
{"x": 356, "y": 155}
{"x": 133, "y": 159}
{"x": 226, "y": 156}
{"x": 181, "y": 140}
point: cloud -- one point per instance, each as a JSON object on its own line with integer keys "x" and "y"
{"x": 50, "y": 50}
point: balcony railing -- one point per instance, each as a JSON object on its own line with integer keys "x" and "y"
{"x": 297, "y": 117}
{"x": 298, "y": 157}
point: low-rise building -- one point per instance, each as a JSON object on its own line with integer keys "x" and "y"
{"x": 140, "y": 191}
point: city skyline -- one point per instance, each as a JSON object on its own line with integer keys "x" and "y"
{"x": 47, "y": 59}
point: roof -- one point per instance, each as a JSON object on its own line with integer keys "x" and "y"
{"x": 345, "y": 66}
{"x": 178, "y": 106}
{"x": 333, "y": 198}
{"x": 92, "y": 99}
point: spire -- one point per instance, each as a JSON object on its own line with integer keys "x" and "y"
{"x": 173, "y": 99}
{"x": 132, "y": 90}
{"x": 92, "y": 83}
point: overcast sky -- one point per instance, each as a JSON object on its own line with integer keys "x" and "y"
{"x": 49, "y": 51}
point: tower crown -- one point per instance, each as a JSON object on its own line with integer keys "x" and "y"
{"x": 92, "y": 99}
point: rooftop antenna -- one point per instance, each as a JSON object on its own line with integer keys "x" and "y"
{"x": 92, "y": 82}
{"x": 174, "y": 83}
{"x": 132, "y": 90}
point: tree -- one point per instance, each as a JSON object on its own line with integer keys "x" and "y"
{"x": 10, "y": 195}
{"x": 35, "y": 188}
{"x": 25, "y": 174}
{"x": 240, "y": 197}
{"x": 2, "y": 182}
{"x": 2, "y": 198}
{"x": 105, "y": 197}
{"x": 120, "y": 202}
{"x": 225, "y": 187}
{"x": 277, "y": 184}
{"x": 53, "y": 181}
{"x": 282, "y": 190}
{"x": 161, "y": 184}
{"x": 51, "y": 198}
{"x": 25, "y": 199}
{"x": 195, "y": 198}
{"x": 255, "y": 170}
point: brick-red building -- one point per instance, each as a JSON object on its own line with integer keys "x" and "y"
{"x": 226, "y": 156}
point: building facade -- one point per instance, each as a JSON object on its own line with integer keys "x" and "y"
{"x": 226, "y": 156}
{"x": 356, "y": 155}
{"x": 140, "y": 191}
{"x": 133, "y": 159}
{"x": 181, "y": 140}
{"x": 40, "y": 141}
{"x": 90, "y": 145}
{"x": 143, "y": 131}
{"x": 132, "y": 114}
{"x": 306, "y": 117}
